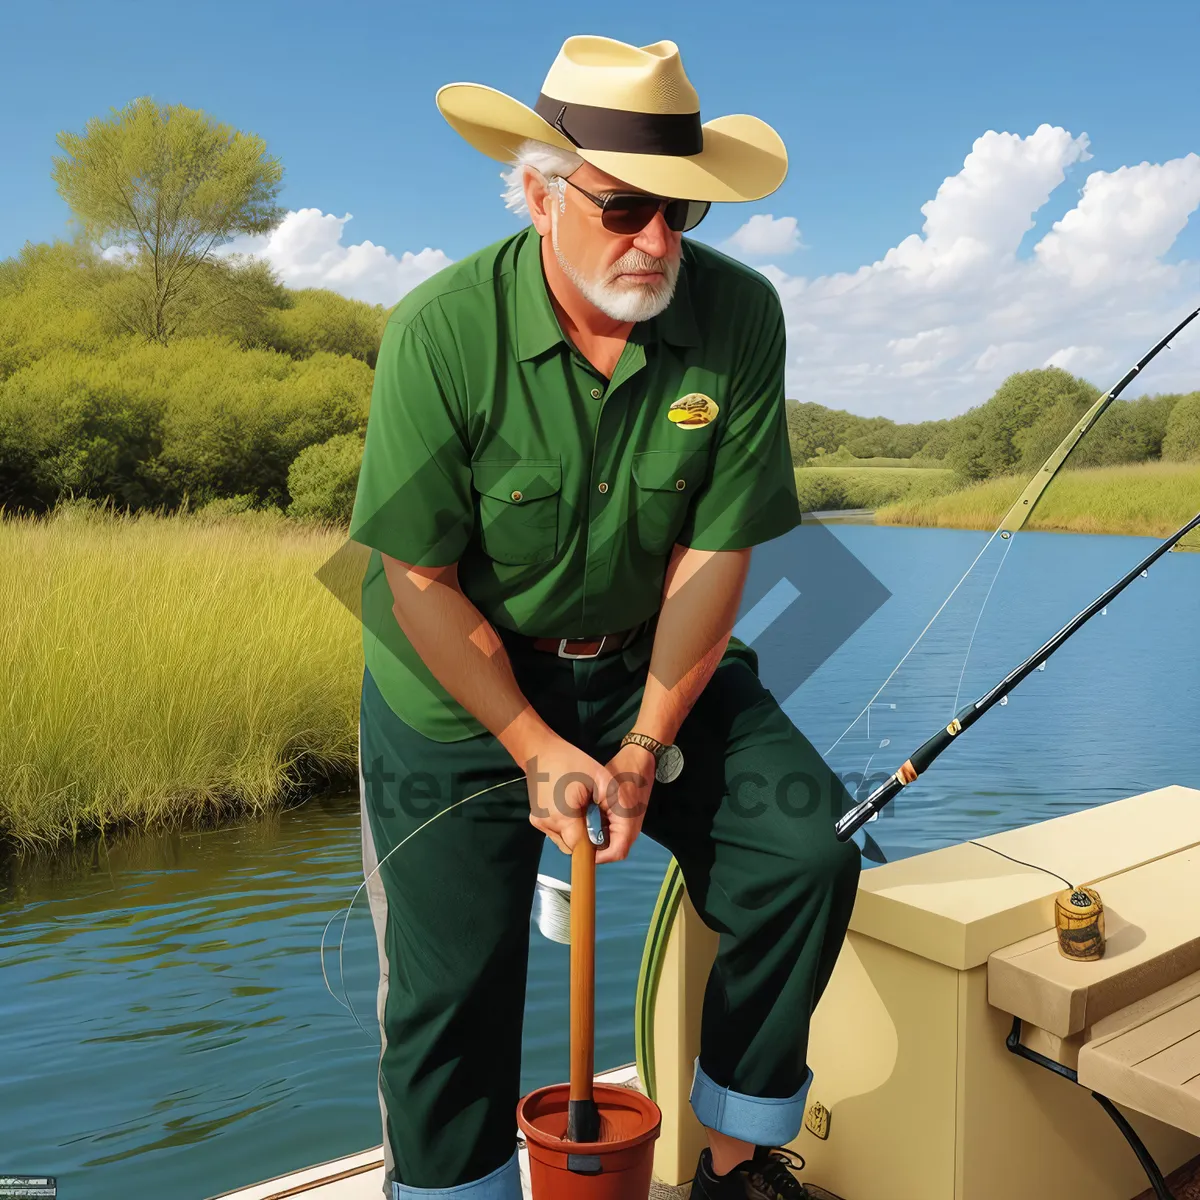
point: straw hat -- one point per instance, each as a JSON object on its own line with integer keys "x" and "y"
{"x": 631, "y": 112}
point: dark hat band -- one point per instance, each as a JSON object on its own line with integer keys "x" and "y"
{"x": 592, "y": 128}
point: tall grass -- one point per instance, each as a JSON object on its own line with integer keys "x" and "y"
{"x": 820, "y": 489}
{"x": 840, "y": 462}
{"x": 1151, "y": 499}
{"x": 170, "y": 670}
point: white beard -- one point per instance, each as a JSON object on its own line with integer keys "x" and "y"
{"x": 625, "y": 300}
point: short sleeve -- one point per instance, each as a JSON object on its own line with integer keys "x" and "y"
{"x": 750, "y": 494}
{"x": 414, "y": 499}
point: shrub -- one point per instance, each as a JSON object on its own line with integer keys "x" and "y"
{"x": 224, "y": 506}
{"x": 868, "y": 487}
{"x": 318, "y": 319}
{"x": 150, "y": 424}
{"x": 323, "y": 480}
{"x": 1182, "y": 440}
{"x": 243, "y": 510}
{"x": 76, "y": 425}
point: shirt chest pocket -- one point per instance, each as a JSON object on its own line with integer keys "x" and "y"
{"x": 518, "y": 508}
{"x": 664, "y": 483}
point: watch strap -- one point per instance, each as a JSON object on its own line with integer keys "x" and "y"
{"x": 644, "y": 739}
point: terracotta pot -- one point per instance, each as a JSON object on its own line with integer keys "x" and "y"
{"x": 617, "y": 1167}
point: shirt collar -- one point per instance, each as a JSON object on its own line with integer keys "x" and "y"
{"x": 536, "y": 325}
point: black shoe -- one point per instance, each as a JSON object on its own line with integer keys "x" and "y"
{"x": 766, "y": 1176}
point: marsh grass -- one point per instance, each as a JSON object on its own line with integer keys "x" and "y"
{"x": 181, "y": 671}
{"x": 834, "y": 462}
{"x": 821, "y": 489}
{"x": 1150, "y": 499}
{"x": 169, "y": 671}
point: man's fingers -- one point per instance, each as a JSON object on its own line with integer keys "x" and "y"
{"x": 577, "y": 798}
{"x": 554, "y": 837}
{"x": 572, "y": 832}
{"x": 620, "y": 841}
{"x": 624, "y": 804}
{"x": 605, "y": 785}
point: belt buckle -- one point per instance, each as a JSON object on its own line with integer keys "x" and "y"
{"x": 563, "y": 652}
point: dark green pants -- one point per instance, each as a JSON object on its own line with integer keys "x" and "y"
{"x": 750, "y": 822}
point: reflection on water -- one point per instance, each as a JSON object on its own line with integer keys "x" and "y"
{"x": 164, "y": 1025}
{"x": 161, "y": 998}
{"x": 1113, "y": 714}
{"x": 154, "y": 999}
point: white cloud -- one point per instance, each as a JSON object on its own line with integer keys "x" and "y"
{"x": 934, "y": 326}
{"x": 1123, "y": 219}
{"x": 306, "y": 250}
{"x": 981, "y": 214}
{"x": 1075, "y": 358}
{"x": 906, "y": 345}
{"x": 763, "y": 235}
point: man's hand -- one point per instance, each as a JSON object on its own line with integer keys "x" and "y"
{"x": 624, "y": 805}
{"x": 562, "y": 782}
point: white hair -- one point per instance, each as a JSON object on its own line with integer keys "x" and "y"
{"x": 543, "y": 159}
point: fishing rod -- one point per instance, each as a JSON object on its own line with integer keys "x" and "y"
{"x": 924, "y": 757}
{"x": 1019, "y": 512}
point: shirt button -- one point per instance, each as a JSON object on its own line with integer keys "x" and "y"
{"x": 516, "y": 495}
{"x": 595, "y": 393}
{"x": 602, "y": 487}
{"x": 680, "y": 484}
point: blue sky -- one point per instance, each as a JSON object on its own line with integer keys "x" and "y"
{"x": 878, "y": 104}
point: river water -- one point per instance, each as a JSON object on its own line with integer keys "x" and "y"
{"x": 165, "y": 1029}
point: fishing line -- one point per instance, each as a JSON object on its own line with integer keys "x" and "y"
{"x": 408, "y": 837}
{"x": 915, "y": 644}
{"x": 928, "y": 752}
{"x": 1078, "y": 914}
{"x": 1019, "y": 863}
{"x": 1008, "y": 545}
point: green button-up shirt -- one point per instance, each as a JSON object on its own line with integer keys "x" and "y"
{"x": 492, "y": 442}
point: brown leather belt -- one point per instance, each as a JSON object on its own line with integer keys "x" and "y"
{"x": 595, "y": 647}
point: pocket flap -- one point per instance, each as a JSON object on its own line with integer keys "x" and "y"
{"x": 530, "y": 478}
{"x": 663, "y": 469}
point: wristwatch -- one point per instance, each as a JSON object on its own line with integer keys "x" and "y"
{"x": 668, "y": 760}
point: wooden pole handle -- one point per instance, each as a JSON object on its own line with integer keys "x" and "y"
{"x": 583, "y": 967}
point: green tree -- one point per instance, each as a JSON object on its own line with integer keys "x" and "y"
{"x": 1030, "y": 413}
{"x": 941, "y": 438}
{"x": 175, "y": 184}
{"x": 1129, "y": 431}
{"x": 1182, "y": 442}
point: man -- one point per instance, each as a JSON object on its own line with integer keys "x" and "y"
{"x": 576, "y": 437}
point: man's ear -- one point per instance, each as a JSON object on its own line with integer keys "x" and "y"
{"x": 539, "y": 196}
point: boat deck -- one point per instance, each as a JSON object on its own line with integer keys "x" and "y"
{"x": 360, "y": 1176}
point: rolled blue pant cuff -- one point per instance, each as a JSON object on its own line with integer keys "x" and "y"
{"x": 504, "y": 1183}
{"x": 761, "y": 1120}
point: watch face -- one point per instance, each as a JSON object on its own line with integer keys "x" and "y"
{"x": 669, "y": 764}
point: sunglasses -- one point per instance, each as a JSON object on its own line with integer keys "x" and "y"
{"x": 631, "y": 212}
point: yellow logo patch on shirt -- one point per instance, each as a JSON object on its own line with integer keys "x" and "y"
{"x": 692, "y": 411}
